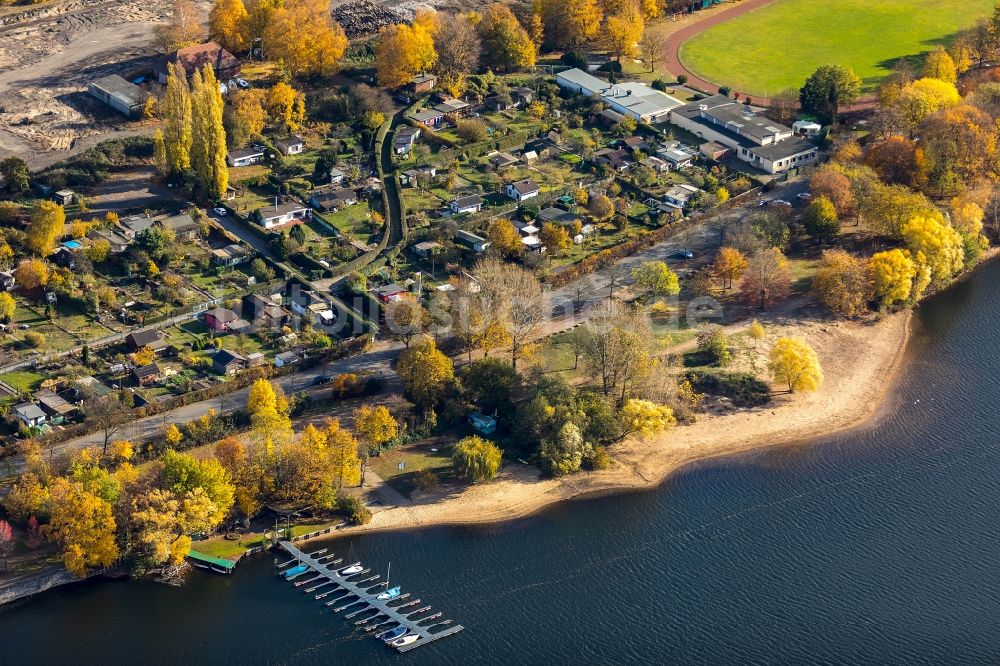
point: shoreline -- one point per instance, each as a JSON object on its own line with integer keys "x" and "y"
{"x": 860, "y": 360}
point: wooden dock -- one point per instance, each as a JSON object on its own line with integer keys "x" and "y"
{"x": 386, "y": 616}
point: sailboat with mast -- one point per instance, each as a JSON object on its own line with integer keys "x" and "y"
{"x": 390, "y": 593}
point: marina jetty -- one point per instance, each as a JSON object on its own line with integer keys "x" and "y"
{"x": 403, "y": 623}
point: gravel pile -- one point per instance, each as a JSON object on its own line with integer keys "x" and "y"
{"x": 362, "y": 18}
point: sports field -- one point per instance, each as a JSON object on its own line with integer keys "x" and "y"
{"x": 779, "y": 45}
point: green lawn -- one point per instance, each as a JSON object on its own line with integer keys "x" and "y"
{"x": 24, "y": 380}
{"x": 778, "y": 46}
{"x": 414, "y": 458}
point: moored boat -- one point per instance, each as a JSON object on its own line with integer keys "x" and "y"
{"x": 353, "y": 569}
{"x": 405, "y": 640}
{"x": 393, "y": 633}
{"x": 389, "y": 594}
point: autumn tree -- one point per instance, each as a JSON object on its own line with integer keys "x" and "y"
{"x": 828, "y": 89}
{"x": 427, "y": 374}
{"x": 46, "y": 225}
{"x": 32, "y": 273}
{"x": 784, "y": 106}
{"x": 940, "y": 246}
{"x": 6, "y": 541}
{"x": 656, "y": 278}
{"x": 794, "y": 363}
{"x": 375, "y": 425}
{"x": 843, "y": 283}
{"x": 601, "y": 207}
{"x": 28, "y": 497}
{"x": 616, "y": 348}
{"x": 268, "y": 410}
{"x": 183, "y": 474}
{"x": 476, "y": 459}
{"x": 305, "y": 39}
{"x": 730, "y": 264}
{"x": 623, "y": 28}
{"x": 7, "y": 307}
{"x": 286, "y": 106}
{"x": 835, "y": 186}
{"x": 555, "y": 238}
{"x": 767, "y": 278}
{"x": 15, "y": 174}
{"x": 820, "y": 220}
{"x": 504, "y": 237}
{"x": 405, "y": 319}
{"x": 208, "y": 145}
{"x": 245, "y": 116}
{"x": 892, "y": 273}
{"x": 939, "y": 65}
{"x": 183, "y": 29}
{"x": 164, "y": 520}
{"x": 228, "y": 24}
{"x": 646, "y": 418}
{"x": 517, "y": 302}
{"x": 897, "y": 161}
{"x": 83, "y": 524}
{"x": 564, "y": 451}
{"x": 960, "y": 144}
{"x": 177, "y": 120}
{"x": 458, "y": 50}
{"x": 886, "y": 208}
{"x": 652, "y": 47}
{"x": 923, "y": 98}
{"x": 405, "y": 50}
{"x": 506, "y": 45}
{"x": 571, "y": 25}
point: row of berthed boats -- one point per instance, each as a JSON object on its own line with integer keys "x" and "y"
{"x": 394, "y": 633}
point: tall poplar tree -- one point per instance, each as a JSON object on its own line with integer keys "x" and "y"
{"x": 177, "y": 128}
{"x": 208, "y": 150}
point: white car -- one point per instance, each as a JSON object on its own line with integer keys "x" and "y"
{"x": 805, "y": 196}
{"x": 242, "y": 83}
{"x": 220, "y": 211}
{"x": 223, "y": 89}
{"x": 782, "y": 202}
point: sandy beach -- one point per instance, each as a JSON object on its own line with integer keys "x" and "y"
{"x": 859, "y": 362}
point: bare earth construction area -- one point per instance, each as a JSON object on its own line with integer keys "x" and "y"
{"x": 776, "y": 46}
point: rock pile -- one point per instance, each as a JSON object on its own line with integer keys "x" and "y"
{"x": 361, "y": 18}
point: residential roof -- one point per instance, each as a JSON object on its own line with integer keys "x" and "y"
{"x": 223, "y": 315}
{"x": 452, "y": 105}
{"x": 241, "y": 153}
{"x": 197, "y": 56}
{"x": 390, "y": 289}
{"x": 287, "y": 357}
{"x": 343, "y": 194}
{"x": 271, "y": 211}
{"x": 784, "y": 149}
{"x": 29, "y": 411}
{"x": 681, "y": 192}
{"x": 557, "y": 215}
{"x": 502, "y": 159}
{"x": 471, "y": 200}
{"x": 469, "y": 237}
{"x": 142, "y": 371}
{"x": 181, "y": 222}
{"x": 137, "y": 223}
{"x": 226, "y": 357}
{"x": 291, "y": 140}
{"x": 423, "y": 115}
{"x": 92, "y": 384}
{"x": 53, "y": 402}
{"x": 148, "y": 338}
{"x": 407, "y": 130}
{"x": 421, "y": 78}
{"x": 525, "y": 186}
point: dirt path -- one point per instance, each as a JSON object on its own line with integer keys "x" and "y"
{"x": 674, "y": 65}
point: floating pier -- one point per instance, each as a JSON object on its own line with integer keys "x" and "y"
{"x": 386, "y": 617}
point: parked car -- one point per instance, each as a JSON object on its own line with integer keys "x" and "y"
{"x": 220, "y": 211}
{"x": 320, "y": 380}
{"x": 684, "y": 255}
{"x": 242, "y": 83}
{"x": 782, "y": 202}
{"x": 805, "y": 196}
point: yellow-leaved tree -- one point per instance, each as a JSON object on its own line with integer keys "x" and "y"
{"x": 940, "y": 245}
{"x": 177, "y": 120}
{"x": 426, "y": 372}
{"x": 286, "y": 106}
{"x": 404, "y": 50}
{"x": 506, "y": 45}
{"x": 32, "y": 273}
{"x": 646, "y": 418}
{"x": 47, "y": 221}
{"x": 623, "y": 29}
{"x": 843, "y": 283}
{"x": 794, "y": 363}
{"x": 939, "y": 65}
{"x": 268, "y": 410}
{"x": 83, "y": 524}
{"x": 229, "y": 24}
{"x": 208, "y": 148}
{"x": 892, "y": 274}
{"x": 730, "y": 264}
{"x": 305, "y": 39}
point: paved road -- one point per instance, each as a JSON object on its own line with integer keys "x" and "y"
{"x": 375, "y": 363}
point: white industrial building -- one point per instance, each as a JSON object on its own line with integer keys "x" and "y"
{"x": 636, "y": 100}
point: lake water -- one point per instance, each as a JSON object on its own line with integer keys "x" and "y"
{"x": 876, "y": 546}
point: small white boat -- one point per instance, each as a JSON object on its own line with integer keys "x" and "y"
{"x": 351, "y": 570}
{"x": 404, "y": 640}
